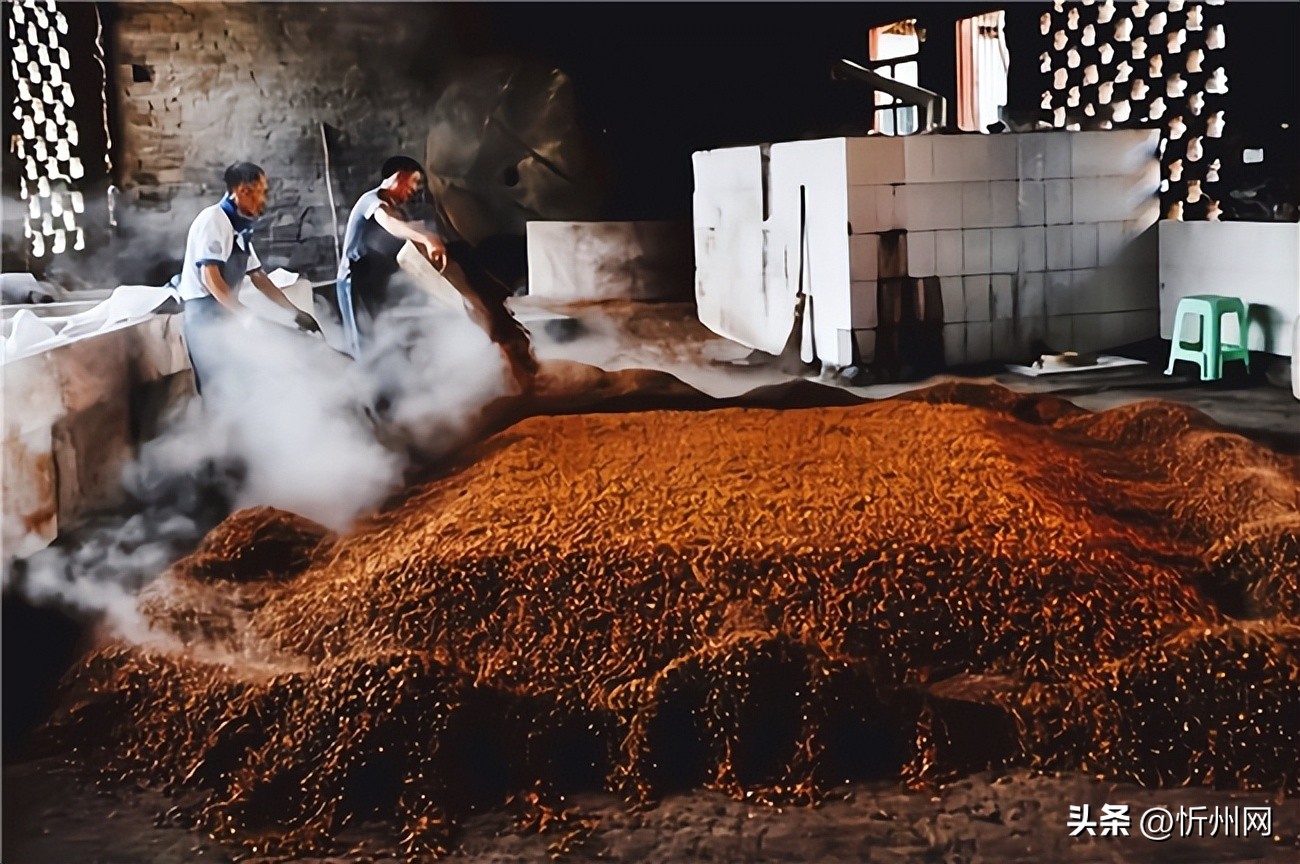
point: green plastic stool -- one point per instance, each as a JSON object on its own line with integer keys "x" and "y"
{"x": 1210, "y": 352}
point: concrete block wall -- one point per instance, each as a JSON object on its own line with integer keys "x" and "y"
{"x": 1024, "y": 232}
{"x": 232, "y": 81}
{"x": 1032, "y": 237}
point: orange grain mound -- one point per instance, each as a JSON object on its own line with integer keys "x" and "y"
{"x": 722, "y": 598}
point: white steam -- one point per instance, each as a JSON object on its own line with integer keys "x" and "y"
{"x": 288, "y": 422}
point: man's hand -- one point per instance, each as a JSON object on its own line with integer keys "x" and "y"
{"x": 305, "y": 322}
{"x": 435, "y": 250}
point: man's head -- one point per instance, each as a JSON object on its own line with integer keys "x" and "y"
{"x": 403, "y": 178}
{"x": 246, "y": 184}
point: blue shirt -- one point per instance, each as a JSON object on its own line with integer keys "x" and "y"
{"x": 365, "y": 236}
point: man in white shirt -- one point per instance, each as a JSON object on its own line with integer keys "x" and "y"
{"x": 218, "y": 255}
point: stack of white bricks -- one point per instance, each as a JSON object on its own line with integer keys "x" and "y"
{"x": 1024, "y": 232}
{"x": 1039, "y": 236}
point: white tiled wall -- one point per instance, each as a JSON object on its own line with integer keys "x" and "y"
{"x": 1025, "y": 233}
{"x": 1004, "y": 256}
{"x": 948, "y": 253}
{"x": 976, "y": 250}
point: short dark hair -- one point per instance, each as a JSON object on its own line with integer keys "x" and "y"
{"x": 400, "y": 163}
{"x": 240, "y": 173}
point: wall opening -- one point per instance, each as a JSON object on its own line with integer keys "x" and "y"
{"x": 57, "y": 92}
{"x": 893, "y": 49}
{"x": 982, "y": 65}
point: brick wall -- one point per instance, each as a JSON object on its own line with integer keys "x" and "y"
{"x": 201, "y": 85}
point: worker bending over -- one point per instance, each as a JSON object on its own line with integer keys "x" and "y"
{"x": 378, "y": 226}
{"x": 218, "y": 255}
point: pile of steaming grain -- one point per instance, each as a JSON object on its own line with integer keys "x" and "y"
{"x": 750, "y": 600}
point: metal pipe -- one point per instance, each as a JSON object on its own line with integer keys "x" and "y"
{"x": 934, "y": 105}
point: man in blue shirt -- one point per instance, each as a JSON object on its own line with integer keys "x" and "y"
{"x": 379, "y": 225}
{"x": 218, "y": 255}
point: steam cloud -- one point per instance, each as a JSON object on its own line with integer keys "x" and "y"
{"x": 289, "y": 422}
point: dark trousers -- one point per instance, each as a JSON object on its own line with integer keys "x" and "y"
{"x": 362, "y": 295}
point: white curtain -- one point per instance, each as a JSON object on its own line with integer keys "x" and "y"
{"x": 982, "y": 65}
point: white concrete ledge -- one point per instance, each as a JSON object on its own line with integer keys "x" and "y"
{"x": 70, "y": 425}
{"x": 609, "y": 260}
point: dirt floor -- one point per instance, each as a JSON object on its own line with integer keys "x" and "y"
{"x": 52, "y": 818}
{"x": 669, "y": 337}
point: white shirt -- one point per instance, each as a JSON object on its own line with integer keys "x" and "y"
{"x": 211, "y": 240}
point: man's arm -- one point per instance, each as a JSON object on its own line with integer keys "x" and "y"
{"x": 429, "y": 242}
{"x": 216, "y": 284}
{"x": 263, "y": 283}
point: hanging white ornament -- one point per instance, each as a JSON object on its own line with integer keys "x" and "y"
{"x": 1214, "y": 126}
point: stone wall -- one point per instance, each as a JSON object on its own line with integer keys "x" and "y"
{"x": 201, "y": 85}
